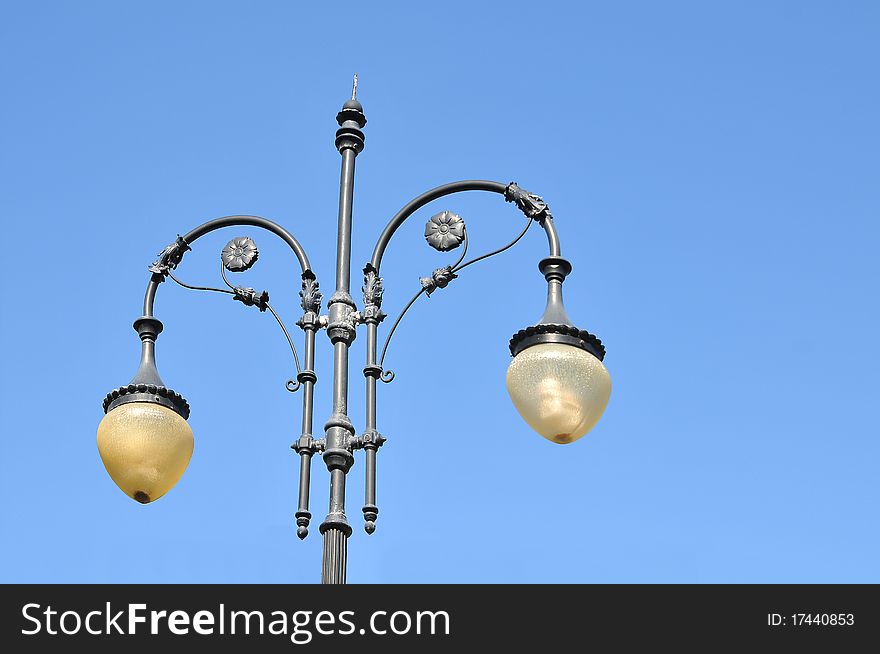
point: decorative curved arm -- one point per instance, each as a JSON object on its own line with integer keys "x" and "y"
{"x": 532, "y": 205}
{"x": 249, "y": 297}
{"x": 306, "y": 446}
{"x": 173, "y": 253}
{"x": 444, "y": 232}
{"x": 442, "y": 276}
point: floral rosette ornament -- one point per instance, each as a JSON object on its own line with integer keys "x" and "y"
{"x": 239, "y": 254}
{"x": 445, "y": 231}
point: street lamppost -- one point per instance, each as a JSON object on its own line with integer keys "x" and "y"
{"x": 556, "y": 379}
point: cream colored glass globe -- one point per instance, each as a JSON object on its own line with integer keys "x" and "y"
{"x": 145, "y": 448}
{"x": 560, "y": 390}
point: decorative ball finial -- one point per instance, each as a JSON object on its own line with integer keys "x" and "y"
{"x": 351, "y": 121}
{"x": 352, "y": 110}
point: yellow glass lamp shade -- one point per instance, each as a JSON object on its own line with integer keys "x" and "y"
{"x": 145, "y": 448}
{"x": 560, "y": 390}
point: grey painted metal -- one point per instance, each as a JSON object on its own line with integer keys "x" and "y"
{"x": 393, "y": 329}
{"x": 173, "y": 253}
{"x": 458, "y": 267}
{"x": 249, "y": 297}
{"x": 307, "y": 446}
{"x": 343, "y": 236}
{"x": 555, "y": 270}
{"x": 371, "y": 440}
{"x": 239, "y": 254}
{"x": 551, "y": 333}
{"x": 341, "y": 330}
{"x": 555, "y": 326}
{"x": 448, "y": 189}
{"x": 147, "y": 385}
{"x": 429, "y": 285}
{"x": 254, "y": 221}
{"x": 170, "y": 256}
{"x": 303, "y": 515}
{"x": 335, "y": 559}
{"x": 444, "y": 231}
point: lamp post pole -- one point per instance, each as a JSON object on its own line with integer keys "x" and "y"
{"x": 556, "y": 379}
{"x": 341, "y": 329}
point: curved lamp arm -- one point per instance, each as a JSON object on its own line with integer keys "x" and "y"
{"x": 532, "y": 206}
{"x": 147, "y": 385}
{"x": 173, "y": 254}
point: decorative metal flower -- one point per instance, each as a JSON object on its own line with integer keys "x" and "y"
{"x": 239, "y": 254}
{"x": 445, "y": 231}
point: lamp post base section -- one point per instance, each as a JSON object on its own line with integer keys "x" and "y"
{"x": 335, "y": 556}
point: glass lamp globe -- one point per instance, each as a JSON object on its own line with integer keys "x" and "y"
{"x": 145, "y": 447}
{"x": 560, "y": 390}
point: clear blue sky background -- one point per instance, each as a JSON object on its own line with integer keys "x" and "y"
{"x": 713, "y": 168}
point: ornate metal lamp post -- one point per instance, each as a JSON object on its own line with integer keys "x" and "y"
{"x": 556, "y": 379}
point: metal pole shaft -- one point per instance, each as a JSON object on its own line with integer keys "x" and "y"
{"x": 343, "y": 235}
{"x": 304, "y": 446}
{"x": 371, "y": 372}
{"x": 341, "y": 330}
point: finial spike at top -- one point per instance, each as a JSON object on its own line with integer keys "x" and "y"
{"x": 351, "y": 117}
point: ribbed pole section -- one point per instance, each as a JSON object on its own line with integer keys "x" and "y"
{"x": 335, "y": 557}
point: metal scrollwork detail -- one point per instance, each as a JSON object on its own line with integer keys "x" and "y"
{"x": 170, "y": 257}
{"x": 251, "y": 298}
{"x": 310, "y": 294}
{"x": 239, "y": 254}
{"x": 372, "y": 287}
{"x": 373, "y": 290}
{"x": 530, "y": 204}
{"x": 444, "y": 231}
{"x": 440, "y": 278}
{"x": 387, "y": 376}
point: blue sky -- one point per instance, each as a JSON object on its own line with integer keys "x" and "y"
{"x": 713, "y": 170}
